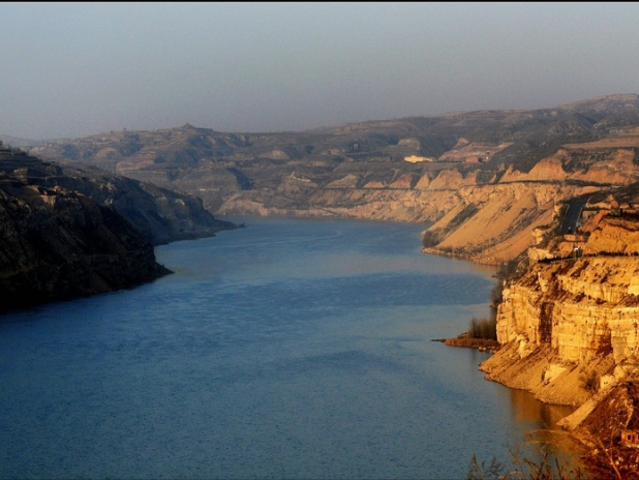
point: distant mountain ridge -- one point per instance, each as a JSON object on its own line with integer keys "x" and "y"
{"x": 360, "y": 169}
{"x": 622, "y": 102}
{"x": 10, "y": 141}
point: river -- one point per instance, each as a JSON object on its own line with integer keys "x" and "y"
{"x": 292, "y": 348}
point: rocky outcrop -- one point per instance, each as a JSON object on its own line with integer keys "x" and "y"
{"x": 571, "y": 315}
{"x": 569, "y": 326}
{"x": 161, "y": 214}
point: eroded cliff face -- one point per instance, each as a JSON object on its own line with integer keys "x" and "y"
{"x": 488, "y": 223}
{"x": 485, "y": 222}
{"x": 161, "y": 214}
{"x": 569, "y": 326}
{"x": 493, "y": 224}
{"x": 496, "y": 222}
{"x": 486, "y": 180}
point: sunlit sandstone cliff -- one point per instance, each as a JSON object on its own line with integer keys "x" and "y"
{"x": 570, "y": 325}
{"x": 491, "y": 222}
{"x": 494, "y": 223}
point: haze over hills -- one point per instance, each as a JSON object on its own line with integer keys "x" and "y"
{"x": 8, "y": 140}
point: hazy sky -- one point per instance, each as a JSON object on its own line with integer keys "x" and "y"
{"x": 76, "y": 69}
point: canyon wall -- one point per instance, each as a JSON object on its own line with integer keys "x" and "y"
{"x": 490, "y": 187}
{"x": 57, "y": 244}
{"x": 569, "y": 325}
{"x": 489, "y": 223}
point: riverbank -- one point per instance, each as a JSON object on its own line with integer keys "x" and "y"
{"x": 481, "y": 344}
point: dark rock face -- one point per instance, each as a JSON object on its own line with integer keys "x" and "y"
{"x": 161, "y": 214}
{"x": 57, "y": 244}
{"x": 63, "y": 235}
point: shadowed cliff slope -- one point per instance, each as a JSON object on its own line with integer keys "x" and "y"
{"x": 66, "y": 233}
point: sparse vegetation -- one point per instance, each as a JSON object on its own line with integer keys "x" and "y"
{"x": 605, "y": 345}
{"x": 545, "y": 468}
{"x": 485, "y": 328}
{"x": 465, "y": 213}
{"x": 596, "y": 462}
{"x": 612, "y": 462}
{"x": 512, "y": 269}
{"x": 506, "y": 272}
{"x": 480, "y": 471}
{"x": 590, "y": 381}
{"x": 477, "y": 343}
{"x": 430, "y": 238}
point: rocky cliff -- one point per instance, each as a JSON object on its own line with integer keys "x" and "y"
{"x": 569, "y": 325}
{"x": 66, "y": 233}
{"x": 496, "y": 222}
{"x": 161, "y": 214}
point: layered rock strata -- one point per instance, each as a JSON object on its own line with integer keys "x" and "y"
{"x": 501, "y": 172}
{"x": 569, "y": 326}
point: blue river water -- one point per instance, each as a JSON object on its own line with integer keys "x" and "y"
{"x": 297, "y": 349}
